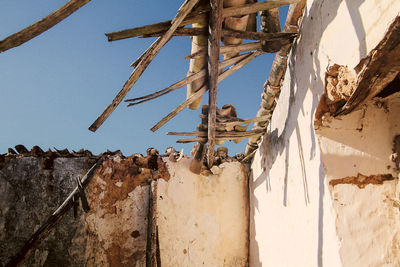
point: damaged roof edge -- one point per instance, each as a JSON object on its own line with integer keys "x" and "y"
{"x": 272, "y": 86}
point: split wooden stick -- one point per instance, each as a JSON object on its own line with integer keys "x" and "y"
{"x": 42, "y": 25}
{"x": 145, "y": 54}
{"x": 202, "y": 90}
{"x": 231, "y": 33}
{"x": 198, "y": 18}
{"x": 184, "y": 81}
{"x": 229, "y": 49}
{"x": 182, "y": 13}
{"x": 230, "y": 134}
{"x": 217, "y": 138}
{"x": 260, "y": 35}
{"x": 240, "y": 122}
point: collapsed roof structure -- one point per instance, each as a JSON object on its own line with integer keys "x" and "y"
{"x": 213, "y": 22}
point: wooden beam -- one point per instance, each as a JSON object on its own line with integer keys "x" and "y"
{"x": 240, "y": 122}
{"x": 231, "y": 134}
{"x": 218, "y": 138}
{"x": 232, "y": 33}
{"x": 285, "y": 37}
{"x": 198, "y": 18}
{"x": 214, "y": 42}
{"x": 42, "y": 25}
{"x": 153, "y": 28}
{"x": 182, "y": 13}
{"x": 229, "y": 49}
{"x": 377, "y": 70}
{"x": 255, "y": 7}
{"x": 145, "y": 54}
{"x": 202, "y": 90}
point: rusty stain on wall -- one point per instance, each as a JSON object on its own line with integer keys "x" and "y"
{"x": 119, "y": 196}
{"x": 362, "y": 180}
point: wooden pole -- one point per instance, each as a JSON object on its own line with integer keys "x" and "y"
{"x": 182, "y": 13}
{"x": 214, "y": 42}
{"x": 42, "y": 25}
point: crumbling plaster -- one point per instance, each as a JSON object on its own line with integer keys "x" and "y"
{"x": 200, "y": 220}
{"x": 360, "y": 144}
{"x": 293, "y": 212}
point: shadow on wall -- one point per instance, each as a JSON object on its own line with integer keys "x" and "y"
{"x": 275, "y": 144}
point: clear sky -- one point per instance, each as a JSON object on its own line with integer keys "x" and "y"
{"x": 53, "y": 87}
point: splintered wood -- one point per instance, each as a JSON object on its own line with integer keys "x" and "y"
{"x": 207, "y": 17}
{"x": 41, "y": 26}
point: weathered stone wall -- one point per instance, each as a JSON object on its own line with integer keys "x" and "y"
{"x": 297, "y": 217}
{"x": 199, "y": 218}
{"x": 112, "y": 233}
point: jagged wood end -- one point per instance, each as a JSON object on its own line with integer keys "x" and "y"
{"x": 42, "y": 25}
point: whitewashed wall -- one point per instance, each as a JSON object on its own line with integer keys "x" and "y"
{"x": 295, "y": 215}
{"x": 203, "y": 220}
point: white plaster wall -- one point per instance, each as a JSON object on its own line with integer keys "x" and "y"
{"x": 203, "y": 220}
{"x": 367, "y": 218}
{"x": 293, "y": 220}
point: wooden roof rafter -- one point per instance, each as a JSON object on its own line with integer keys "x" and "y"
{"x": 192, "y": 11}
{"x": 216, "y": 14}
{"x": 42, "y": 25}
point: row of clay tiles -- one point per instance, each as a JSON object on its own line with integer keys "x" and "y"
{"x": 151, "y": 161}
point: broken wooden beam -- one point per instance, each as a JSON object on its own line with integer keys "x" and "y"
{"x": 42, "y": 25}
{"x": 273, "y": 84}
{"x": 198, "y": 18}
{"x": 202, "y": 90}
{"x": 182, "y": 13}
{"x": 145, "y": 54}
{"x": 377, "y": 70}
{"x": 214, "y": 41}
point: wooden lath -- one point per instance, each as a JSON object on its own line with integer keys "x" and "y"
{"x": 212, "y": 15}
{"x": 198, "y": 16}
{"x": 192, "y": 11}
{"x": 42, "y": 25}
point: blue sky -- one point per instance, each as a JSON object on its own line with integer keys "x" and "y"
{"x": 53, "y": 87}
